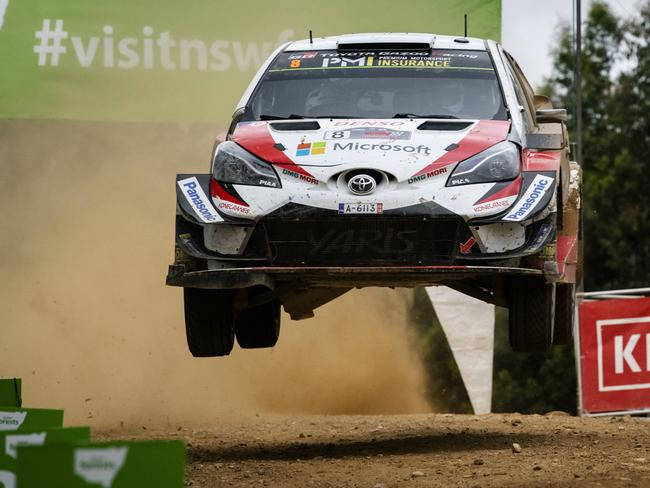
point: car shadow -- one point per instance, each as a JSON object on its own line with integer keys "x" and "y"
{"x": 344, "y": 448}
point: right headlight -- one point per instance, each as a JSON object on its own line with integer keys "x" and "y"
{"x": 500, "y": 162}
{"x": 233, "y": 164}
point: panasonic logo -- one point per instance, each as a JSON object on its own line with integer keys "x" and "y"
{"x": 530, "y": 199}
{"x": 198, "y": 200}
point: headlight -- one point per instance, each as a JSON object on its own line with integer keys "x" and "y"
{"x": 233, "y": 164}
{"x": 498, "y": 163}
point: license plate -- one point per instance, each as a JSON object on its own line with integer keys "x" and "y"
{"x": 361, "y": 208}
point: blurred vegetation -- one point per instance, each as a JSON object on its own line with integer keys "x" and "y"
{"x": 616, "y": 164}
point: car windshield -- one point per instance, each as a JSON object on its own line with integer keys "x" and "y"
{"x": 436, "y": 84}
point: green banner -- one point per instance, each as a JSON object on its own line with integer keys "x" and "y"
{"x": 20, "y": 419}
{"x": 186, "y": 61}
{"x": 111, "y": 465}
{"x": 10, "y": 392}
{"x": 10, "y": 441}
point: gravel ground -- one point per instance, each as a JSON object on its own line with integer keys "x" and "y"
{"x": 436, "y": 450}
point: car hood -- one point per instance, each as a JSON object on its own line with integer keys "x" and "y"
{"x": 409, "y": 147}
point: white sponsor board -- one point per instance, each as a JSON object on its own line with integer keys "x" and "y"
{"x": 198, "y": 200}
{"x": 531, "y": 198}
{"x": 99, "y": 466}
{"x": 468, "y": 324}
{"x": 12, "y": 420}
{"x": 12, "y": 442}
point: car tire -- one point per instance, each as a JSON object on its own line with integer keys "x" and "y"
{"x": 258, "y": 327}
{"x": 565, "y": 296}
{"x": 209, "y": 322}
{"x": 532, "y": 314}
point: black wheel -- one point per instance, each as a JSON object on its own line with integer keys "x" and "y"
{"x": 258, "y": 326}
{"x": 565, "y": 297}
{"x": 209, "y": 322}
{"x": 532, "y": 313}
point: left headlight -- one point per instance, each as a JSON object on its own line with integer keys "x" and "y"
{"x": 500, "y": 162}
{"x": 233, "y": 164}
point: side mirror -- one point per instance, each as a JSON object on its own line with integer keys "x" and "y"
{"x": 552, "y": 115}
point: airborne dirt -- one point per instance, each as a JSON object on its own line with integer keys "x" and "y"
{"x": 87, "y": 226}
{"x": 433, "y": 450}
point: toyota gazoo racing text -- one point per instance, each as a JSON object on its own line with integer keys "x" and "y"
{"x": 381, "y": 160}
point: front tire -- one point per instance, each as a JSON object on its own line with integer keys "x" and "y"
{"x": 532, "y": 314}
{"x": 209, "y": 322}
{"x": 258, "y": 327}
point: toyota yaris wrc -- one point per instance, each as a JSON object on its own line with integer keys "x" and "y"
{"x": 381, "y": 160}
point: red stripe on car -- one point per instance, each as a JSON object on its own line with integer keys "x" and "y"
{"x": 541, "y": 160}
{"x": 484, "y": 134}
{"x": 511, "y": 190}
{"x": 255, "y": 137}
{"x": 218, "y": 191}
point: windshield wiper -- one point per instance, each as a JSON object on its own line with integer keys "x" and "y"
{"x": 417, "y": 116}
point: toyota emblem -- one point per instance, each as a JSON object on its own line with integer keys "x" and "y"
{"x": 362, "y": 184}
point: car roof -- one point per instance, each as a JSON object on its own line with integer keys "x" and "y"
{"x": 384, "y": 40}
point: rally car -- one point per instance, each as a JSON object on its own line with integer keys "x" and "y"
{"x": 381, "y": 160}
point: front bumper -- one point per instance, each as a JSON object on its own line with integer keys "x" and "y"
{"x": 335, "y": 276}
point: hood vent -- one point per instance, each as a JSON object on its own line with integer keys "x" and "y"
{"x": 300, "y": 125}
{"x": 444, "y": 125}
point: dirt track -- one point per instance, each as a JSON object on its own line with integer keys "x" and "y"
{"x": 414, "y": 450}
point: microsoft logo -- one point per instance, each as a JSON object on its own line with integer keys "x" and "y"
{"x": 310, "y": 148}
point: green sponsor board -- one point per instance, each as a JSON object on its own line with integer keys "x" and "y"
{"x": 187, "y": 61}
{"x": 20, "y": 419}
{"x": 10, "y": 392}
{"x": 10, "y": 441}
{"x": 111, "y": 465}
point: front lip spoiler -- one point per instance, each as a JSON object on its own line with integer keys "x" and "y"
{"x": 333, "y": 276}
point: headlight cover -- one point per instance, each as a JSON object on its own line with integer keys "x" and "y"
{"x": 233, "y": 164}
{"x": 500, "y": 162}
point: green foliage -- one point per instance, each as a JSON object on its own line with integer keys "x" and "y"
{"x": 616, "y": 163}
{"x": 616, "y": 142}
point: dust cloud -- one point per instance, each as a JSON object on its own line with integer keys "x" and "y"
{"x": 87, "y": 234}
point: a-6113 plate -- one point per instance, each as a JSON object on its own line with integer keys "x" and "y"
{"x": 361, "y": 208}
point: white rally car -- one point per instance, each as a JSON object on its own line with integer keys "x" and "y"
{"x": 381, "y": 160}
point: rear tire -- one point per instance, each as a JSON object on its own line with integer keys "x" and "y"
{"x": 259, "y": 326}
{"x": 532, "y": 314}
{"x": 209, "y": 322}
{"x": 565, "y": 296}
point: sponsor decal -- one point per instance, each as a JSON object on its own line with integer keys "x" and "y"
{"x": 486, "y": 207}
{"x": 301, "y": 177}
{"x": 233, "y": 207}
{"x": 99, "y": 466}
{"x": 344, "y": 62}
{"x": 12, "y": 442}
{"x": 355, "y": 241}
{"x": 361, "y": 208}
{"x": 370, "y": 123}
{"x": 199, "y": 201}
{"x": 303, "y": 55}
{"x": 531, "y": 198}
{"x": 426, "y": 176}
{"x": 310, "y": 148}
{"x": 11, "y": 420}
{"x": 368, "y": 133}
{"x": 295, "y": 63}
{"x": 359, "y": 146}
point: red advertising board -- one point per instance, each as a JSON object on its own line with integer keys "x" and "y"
{"x": 614, "y": 349}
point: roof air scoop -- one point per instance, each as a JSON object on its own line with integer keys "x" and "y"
{"x": 385, "y": 42}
